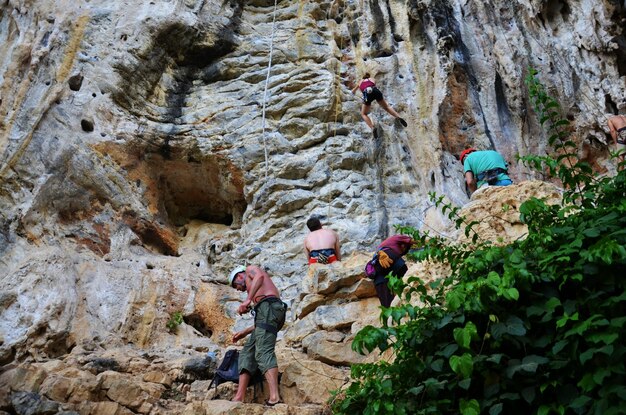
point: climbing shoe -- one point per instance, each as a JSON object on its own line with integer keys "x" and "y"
{"x": 404, "y": 124}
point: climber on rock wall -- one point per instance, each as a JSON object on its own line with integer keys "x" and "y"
{"x": 486, "y": 167}
{"x": 617, "y": 128}
{"x": 269, "y": 317}
{"x": 371, "y": 93}
{"x": 388, "y": 259}
{"x": 321, "y": 245}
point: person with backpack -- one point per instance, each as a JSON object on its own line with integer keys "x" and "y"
{"x": 486, "y": 167}
{"x": 388, "y": 260}
{"x": 371, "y": 93}
{"x": 269, "y": 317}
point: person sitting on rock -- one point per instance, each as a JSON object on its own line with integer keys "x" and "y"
{"x": 269, "y": 316}
{"x": 321, "y": 245}
{"x": 486, "y": 167}
{"x": 617, "y": 128}
{"x": 389, "y": 261}
{"x": 371, "y": 93}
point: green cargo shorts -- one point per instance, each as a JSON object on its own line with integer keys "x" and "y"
{"x": 258, "y": 353}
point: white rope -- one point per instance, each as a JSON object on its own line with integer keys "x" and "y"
{"x": 267, "y": 80}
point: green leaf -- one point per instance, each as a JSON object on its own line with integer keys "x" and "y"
{"x": 416, "y": 390}
{"x": 529, "y": 394}
{"x": 496, "y": 409}
{"x": 580, "y": 402}
{"x": 465, "y": 383}
{"x": 600, "y": 374}
{"x": 463, "y": 336}
{"x": 512, "y": 293}
{"x": 462, "y": 365}
{"x": 495, "y": 358}
{"x": 543, "y": 410}
{"x": 437, "y": 365}
{"x": 471, "y": 407}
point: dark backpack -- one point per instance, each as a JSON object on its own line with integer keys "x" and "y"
{"x": 228, "y": 371}
{"x": 373, "y": 267}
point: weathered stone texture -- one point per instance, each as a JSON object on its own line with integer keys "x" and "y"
{"x": 136, "y": 169}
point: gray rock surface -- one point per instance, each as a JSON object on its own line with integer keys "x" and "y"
{"x": 136, "y": 167}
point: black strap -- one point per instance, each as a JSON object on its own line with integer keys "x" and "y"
{"x": 498, "y": 170}
{"x": 270, "y": 299}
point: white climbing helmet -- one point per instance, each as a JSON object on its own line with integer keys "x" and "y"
{"x": 234, "y": 272}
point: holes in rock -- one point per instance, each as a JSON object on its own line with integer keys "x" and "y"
{"x": 609, "y": 105}
{"x": 86, "y": 125}
{"x": 101, "y": 364}
{"x": 75, "y": 82}
{"x": 195, "y": 321}
{"x": 554, "y": 8}
{"x": 209, "y": 190}
{"x": 58, "y": 344}
{"x": 384, "y": 54}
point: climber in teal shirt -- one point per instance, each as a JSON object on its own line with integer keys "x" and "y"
{"x": 486, "y": 167}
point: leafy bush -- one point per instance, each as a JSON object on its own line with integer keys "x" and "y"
{"x": 176, "y": 319}
{"x": 536, "y": 326}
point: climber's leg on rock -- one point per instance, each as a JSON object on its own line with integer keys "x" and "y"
{"x": 391, "y": 111}
{"x": 365, "y": 109}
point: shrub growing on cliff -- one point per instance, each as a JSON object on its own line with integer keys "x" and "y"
{"x": 536, "y": 326}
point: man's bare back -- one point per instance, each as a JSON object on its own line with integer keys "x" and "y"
{"x": 322, "y": 239}
{"x": 616, "y": 122}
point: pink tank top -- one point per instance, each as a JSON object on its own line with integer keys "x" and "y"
{"x": 365, "y": 84}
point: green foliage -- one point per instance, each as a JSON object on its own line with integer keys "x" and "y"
{"x": 176, "y": 319}
{"x": 533, "y": 327}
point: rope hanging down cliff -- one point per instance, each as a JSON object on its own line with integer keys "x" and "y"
{"x": 267, "y": 80}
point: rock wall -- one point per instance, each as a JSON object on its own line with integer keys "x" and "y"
{"x": 136, "y": 166}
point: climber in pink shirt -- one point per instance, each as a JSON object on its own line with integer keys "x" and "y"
{"x": 371, "y": 93}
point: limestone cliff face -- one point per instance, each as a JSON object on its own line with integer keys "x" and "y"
{"x": 136, "y": 169}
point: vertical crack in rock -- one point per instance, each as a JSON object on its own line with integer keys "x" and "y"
{"x": 463, "y": 77}
{"x": 504, "y": 114}
{"x": 380, "y": 46}
{"x": 619, "y": 18}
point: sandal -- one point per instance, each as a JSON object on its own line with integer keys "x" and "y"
{"x": 268, "y": 403}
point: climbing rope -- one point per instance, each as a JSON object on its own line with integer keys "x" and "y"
{"x": 337, "y": 103}
{"x": 267, "y": 80}
{"x": 344, "y": 380}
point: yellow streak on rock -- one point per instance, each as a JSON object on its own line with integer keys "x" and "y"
{"x": 52, "y": 95}
{"x": 72, "y": 48}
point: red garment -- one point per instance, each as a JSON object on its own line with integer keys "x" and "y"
{"x": 331, "y": 259}
{"x": 365, "y": 84}
{"x": 399, "y": 244}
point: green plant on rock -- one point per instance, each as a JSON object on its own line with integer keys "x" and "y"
{"x": 176, "y": 319}
{"x": 532, "y": 327}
